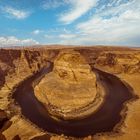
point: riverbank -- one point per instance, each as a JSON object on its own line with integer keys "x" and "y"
{"x": 128, "y": 128}
{"x": 35, "y": 112}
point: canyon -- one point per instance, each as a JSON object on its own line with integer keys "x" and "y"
{"x": 69, "y": 89}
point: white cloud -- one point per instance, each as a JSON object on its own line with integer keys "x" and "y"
{"x": 36, "y": 32}
{"x": 78, "y": 8}
{"x": 67, "y": 36}
{"x": 11, "y": 12}
{"x": 110, "y": 10}
{"x": 117, "y": 25}
{"x": 50, "y": 36}
{"x": 13, "y": 41}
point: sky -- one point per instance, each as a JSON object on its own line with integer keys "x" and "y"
{"x": 69, "y": 22}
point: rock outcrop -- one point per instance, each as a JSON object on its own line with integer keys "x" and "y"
{"x": 69, "y": 88}
{"x": 15, "y": 66}
{"x": 119, "y": 62}
{"x": 115, "y": 60}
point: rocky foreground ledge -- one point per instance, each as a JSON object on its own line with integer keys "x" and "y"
{"x": 70, "y": 90}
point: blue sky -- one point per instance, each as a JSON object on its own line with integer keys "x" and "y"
{"x": 70, "y": 22}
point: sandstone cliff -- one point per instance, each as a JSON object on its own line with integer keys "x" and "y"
{"x": 113, "y": 60}
{"x": 15, "y": 66}
{"x": 70, "y": 87}
{"x": 18, "y": 64}
{"x": 119, "y": 62}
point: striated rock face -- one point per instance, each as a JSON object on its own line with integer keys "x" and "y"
{"x": 69, "y": 87}
{"x": 69, "y": 71}
{"x": 22, "y": 63}
{"x": 15, "y": 66}
{"x": 113, "y": 60}
{"x": 72, "y": 68}
{"x": 119, "y": 62}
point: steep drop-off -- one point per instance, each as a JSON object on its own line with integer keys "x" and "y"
{"x": 15, "y": 66}
{"x": 19, "y": 64}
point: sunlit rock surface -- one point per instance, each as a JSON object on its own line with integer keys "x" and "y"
{"x": 70, "y": 86}
{"x": 18, "y": 64}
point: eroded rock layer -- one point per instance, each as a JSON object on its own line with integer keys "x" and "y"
{"x": 69, "y": 88}
{"x": 18, "y": 64}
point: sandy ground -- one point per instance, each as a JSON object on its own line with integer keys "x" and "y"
{"x": 22, "y": 128}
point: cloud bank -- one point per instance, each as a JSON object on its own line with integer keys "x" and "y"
{"x": 78, "y": 8}
{"x": 13, "y": 41}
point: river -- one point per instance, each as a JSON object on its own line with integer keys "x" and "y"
{"x": 104, "y": 120}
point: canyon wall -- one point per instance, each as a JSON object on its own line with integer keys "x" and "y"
{"x": 22, "y": 62}
{"x": 15, "y": 66}
{"x": 119, "y": 60}
{"x": 19, "y": 64}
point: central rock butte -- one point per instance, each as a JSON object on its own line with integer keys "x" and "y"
{"x": 69, "y": 91}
